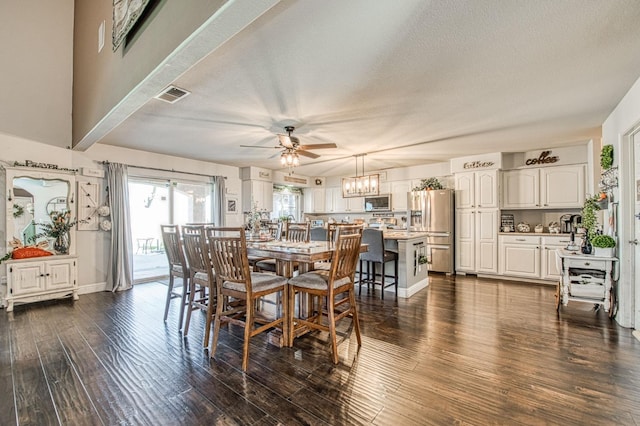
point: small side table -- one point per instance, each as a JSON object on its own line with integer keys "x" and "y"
{"x": 587, "y": 278}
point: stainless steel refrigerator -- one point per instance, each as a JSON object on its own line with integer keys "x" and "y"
{"x": 433, "y": 212}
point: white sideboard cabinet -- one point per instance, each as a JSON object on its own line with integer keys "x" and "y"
{"x": 30, "y": 195}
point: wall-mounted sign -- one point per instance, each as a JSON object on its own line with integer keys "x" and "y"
{"x": 264, "y": 175}
{"x": 29, "y": 163}
{"x": 544, "y": 158}
{"x": 478, "y": 164}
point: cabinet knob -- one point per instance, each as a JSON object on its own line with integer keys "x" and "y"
{"x": 587, "y": 263}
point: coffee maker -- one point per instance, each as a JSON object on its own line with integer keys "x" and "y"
{"x": 566, "y": 223}
{"x": 576, "y": 222}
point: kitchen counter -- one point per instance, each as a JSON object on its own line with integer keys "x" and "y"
{"x": 403, "y": 235}
{"x": 412, "y": 250}
{"x": 542, "y": 234}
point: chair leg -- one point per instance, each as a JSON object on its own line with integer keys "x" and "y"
{"x": 192, "y": 293}
{"x": 169, "y": 291}
{"x": 332, "y": 329}
{"x": 285, "y": 316}
{"x": 210, "y": 315}
{"x": 183, "y": 300}
{"x": 360, "y": 279}
{"x": 354, "y": 313}
{"x": 291, "y": 301}
{"x": 382, "y": 281}
{"x": 248, "y": 328}
{"x": 216, "y": 326}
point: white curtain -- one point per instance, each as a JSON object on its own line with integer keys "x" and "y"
{"x": 218, "y": 200}
{"x": 120, "y": 273}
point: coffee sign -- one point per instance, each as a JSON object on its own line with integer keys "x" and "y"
{"x": 544, "y": 158}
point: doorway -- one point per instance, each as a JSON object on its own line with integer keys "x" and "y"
{"x": 155, "y": 202}
{"x": 635, "y": 242}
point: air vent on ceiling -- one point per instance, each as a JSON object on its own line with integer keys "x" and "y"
{"x": 172, "y": 94}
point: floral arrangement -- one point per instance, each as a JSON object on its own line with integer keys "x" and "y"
{"x": 61, "y": 224}
{"x": 253, "y": 218}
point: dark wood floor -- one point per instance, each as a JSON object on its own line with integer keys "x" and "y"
{"x": 464, "y": 350}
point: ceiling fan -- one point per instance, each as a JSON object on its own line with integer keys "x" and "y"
{"x": 290, "y": 144}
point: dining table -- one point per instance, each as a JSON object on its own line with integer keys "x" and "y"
{"x": 288, "y": 255}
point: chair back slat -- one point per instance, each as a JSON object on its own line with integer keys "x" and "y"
{"x": 172, "y": 241}
{"x": 345, "y": 227}
{"x": 345, "y": 258}
{"x": 228, "y": 248}
{"x": 298, "y": 232}
{"x": 195, "y": 248}
{"x": 275, "y": 229}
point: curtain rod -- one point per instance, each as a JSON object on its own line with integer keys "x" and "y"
{"x": 162, "y": 170}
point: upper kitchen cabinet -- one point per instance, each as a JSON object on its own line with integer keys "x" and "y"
{"x": 258, "y": 192}
{"x": 336, "y": 203}
{"x": 477, "y": 189}
{"x": 399, "y": 191}
{"x": 546, "y": 187}
{"x": 314, "y": 200}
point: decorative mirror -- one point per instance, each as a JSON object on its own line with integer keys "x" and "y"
{"x": 33, "y": 201}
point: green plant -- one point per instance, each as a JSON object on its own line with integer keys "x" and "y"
{"x": 18, "y": 210}
{"x": 429, "y": 183}
{"x": 603, "y": 241}
{"x": 589, "y": 218}
{"x": 606, "y": 157}
{"x": 61, "y": 224}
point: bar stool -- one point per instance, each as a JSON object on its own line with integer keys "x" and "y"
{"x": 202, "y": 277}
{"x": 178, "y": 268}
{"x": 377, "y": 254}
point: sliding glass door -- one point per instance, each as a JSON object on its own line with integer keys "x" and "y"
{"x": 155, "y": 202}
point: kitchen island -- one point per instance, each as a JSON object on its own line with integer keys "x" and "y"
{"x": 412, "y": 255}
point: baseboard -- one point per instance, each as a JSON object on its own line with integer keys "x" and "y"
{"x": 93, "y": 288}
{"x": 406, "y": 293}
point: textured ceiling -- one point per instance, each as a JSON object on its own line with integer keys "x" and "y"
{"x": 409, "y": 82}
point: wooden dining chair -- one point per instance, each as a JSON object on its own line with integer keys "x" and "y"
{"x": 178, "y": 268}
{"x": 330, "y": 284}
{"x": 298, "y": 232}
{"x": 202, "y": 276}
{"x": 265, "y": 264}
{"x": 234, "y": 279}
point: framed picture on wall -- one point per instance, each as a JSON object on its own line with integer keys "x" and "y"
{"x": 232, "y": 205}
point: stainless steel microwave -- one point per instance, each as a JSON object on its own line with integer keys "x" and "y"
{"x": 378, "y": 203}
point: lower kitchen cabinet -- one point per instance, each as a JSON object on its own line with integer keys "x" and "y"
{"x": 41, "y": 278}
{"x": 519, "y": 256}
{"x": 531, "y": 256}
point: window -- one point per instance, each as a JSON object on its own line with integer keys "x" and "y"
{"x": 286, "y": 203}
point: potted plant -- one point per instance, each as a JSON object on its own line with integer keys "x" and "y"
{"x": 589, "y": 221}
{"x": 428, "y": 184}
{"x": 604, "y": 245}
{"x": 606, "y": 157}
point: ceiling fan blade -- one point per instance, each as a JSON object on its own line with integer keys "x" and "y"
{"x": 257, "y": 146}
{"x": 318, "y": 146}
{"x": 287, "y": 141}
{"x": 307, "y": 154}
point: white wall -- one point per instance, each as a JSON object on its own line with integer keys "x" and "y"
{"x": 93, "y": 246}
{"x": 622, "y": 120}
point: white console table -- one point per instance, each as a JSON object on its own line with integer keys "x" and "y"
{"x": 587, "y": 278}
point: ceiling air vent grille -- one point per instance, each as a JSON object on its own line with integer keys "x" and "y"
{"x": 172, "y": 94}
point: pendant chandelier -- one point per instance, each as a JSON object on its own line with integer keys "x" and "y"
{"x": 360, "y": 185}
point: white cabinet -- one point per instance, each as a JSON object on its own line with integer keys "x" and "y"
{"x": 477, "y": 189}
{"x": 547, "y": 187}
{"x": 562, "y": 186}
{"x": 41, "y": 278}
{"x": 520, "y": 256}
{"x": 399, "y": 192}
{"x": 259, "y": 192}
{"x": 521, "y": 189}
{"x": 314, "y": 200}
{"x": 335, "y": 203}
{"x": 477, "y": 221}
{"x": 531, "y": 256}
